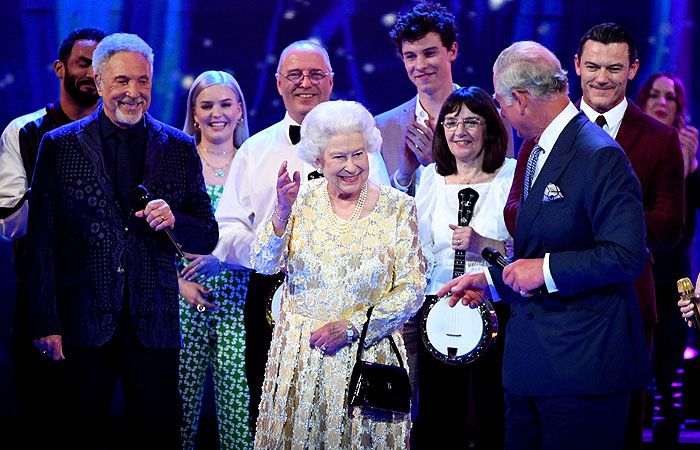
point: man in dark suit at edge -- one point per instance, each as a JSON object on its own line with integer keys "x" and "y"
{"x": 575, "y": 343}
{"x": 102, "y": 277}
{"x": 606, "y": 60}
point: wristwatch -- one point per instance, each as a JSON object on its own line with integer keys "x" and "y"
{"x": 350, "y": 331}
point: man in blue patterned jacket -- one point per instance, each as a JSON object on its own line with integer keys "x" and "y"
{"x": 101, "y": 272}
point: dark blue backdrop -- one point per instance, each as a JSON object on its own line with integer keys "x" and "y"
{"x": 245, "y": 37}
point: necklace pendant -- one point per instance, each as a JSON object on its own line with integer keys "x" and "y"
{"x": 219, "y": 173}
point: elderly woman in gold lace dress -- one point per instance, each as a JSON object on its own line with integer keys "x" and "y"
{"x": 346, "y": 244}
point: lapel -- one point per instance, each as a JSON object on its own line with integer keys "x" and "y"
{"x": 156, "y": 142}
{"x": 89, "y": 137}
{"x": 630, "y": 130}
{"x": 557, "y": 161}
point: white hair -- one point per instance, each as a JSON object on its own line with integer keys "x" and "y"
{"x": 530, "y": 67}
{"x": 119, "y": 42}
{"x": 336, "y": 117}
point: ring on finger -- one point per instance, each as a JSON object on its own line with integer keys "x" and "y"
{"x": 201, "y": 308}
{"x": 162, "y": 218}
{"x": 458, "y": 241}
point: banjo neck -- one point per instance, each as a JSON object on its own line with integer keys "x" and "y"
{"x": 467, "y": 198}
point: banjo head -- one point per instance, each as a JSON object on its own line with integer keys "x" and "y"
{"x": 274, "y": 302}
{"x": 458, "y": 335}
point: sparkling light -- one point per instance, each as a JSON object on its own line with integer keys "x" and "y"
{"x": 389, "y": 19}
{"x": 186, "y": 81}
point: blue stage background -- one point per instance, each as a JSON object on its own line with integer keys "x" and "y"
{"x": 245, "y": 37}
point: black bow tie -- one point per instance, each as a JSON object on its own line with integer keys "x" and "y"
{"x": 295, "y": 134}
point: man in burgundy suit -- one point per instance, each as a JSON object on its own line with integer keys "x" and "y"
{"x": 606, "y": 61}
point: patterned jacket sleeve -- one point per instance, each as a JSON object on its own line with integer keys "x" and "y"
{"x": 404, "y": 297}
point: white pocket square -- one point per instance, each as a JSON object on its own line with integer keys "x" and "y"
{"x": 552, "y": 192}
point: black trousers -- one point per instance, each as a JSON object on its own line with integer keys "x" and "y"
{"x": 258, "y": 334}
{"x": 149, "y": 382}
{"x": 461, "y": 407}
{"x": 582, "y": 422}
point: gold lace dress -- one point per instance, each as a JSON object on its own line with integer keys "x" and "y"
{"x": 336, "y": 273}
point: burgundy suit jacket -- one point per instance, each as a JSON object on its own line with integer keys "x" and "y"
{"x": 655, "y": 154}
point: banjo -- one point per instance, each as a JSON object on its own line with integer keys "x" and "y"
{"x": 458, "y": 335}
{"x": 274, "y": 299}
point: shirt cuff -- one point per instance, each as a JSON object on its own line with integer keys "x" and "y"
{"x": 494, "y": 293}
{"x": 400, "y": 186}
{"x": 548, "y": 280}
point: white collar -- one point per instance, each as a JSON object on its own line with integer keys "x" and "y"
{"x": 421, "y": 114}
{"x": 613, "y": 117}
{"x": 554, "y": 129}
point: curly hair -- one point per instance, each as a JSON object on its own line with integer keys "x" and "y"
{"x": 421, "y": 20}
{"x": 336, "y": 117}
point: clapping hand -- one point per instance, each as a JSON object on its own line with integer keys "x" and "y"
{"x": 287, "y": 191}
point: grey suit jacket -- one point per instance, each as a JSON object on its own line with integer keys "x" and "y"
{"x": 393, "y": 125}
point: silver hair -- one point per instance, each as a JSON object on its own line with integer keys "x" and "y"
{"x": 304, "y": 46}
{"x": 336, "y": 117}
{"x": 119, "y": 42}
{"x": 213, "y": 78}
{"x": 529, "y": 67}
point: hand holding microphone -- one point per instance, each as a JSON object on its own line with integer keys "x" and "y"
{"x": 156, "y": 212}
{"x": 525, "y": 276}
{"x": 688, "y": 302}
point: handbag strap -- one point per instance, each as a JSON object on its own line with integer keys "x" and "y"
{"x": 361, "y": 346}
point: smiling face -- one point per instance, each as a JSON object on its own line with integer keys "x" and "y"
{"x": 301, "y": 98}
{"x": 125, "y": 88}
{"x": 605, "y": 70}
{"x": 464, "y": 143}
{"x": 345, "y": 164}
{"x": 217, "y": 110}
{"x": 662, "y": 103}
{"x": 428, "y": 63}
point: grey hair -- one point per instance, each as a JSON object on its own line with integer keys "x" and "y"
{"x": 213, "y": 78}
{"x": 530, "y": 67}
{"x": 336, "y": 117}
{"x": 304, "y": 46}
{"x": 119, "y": 42}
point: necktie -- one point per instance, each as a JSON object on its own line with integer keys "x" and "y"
{"x": 530, "y": 169}
{"x": 295, "y": 134}
{"x": 600, "y": 121}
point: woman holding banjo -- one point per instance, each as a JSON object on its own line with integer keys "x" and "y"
{"x": 460, "y": 203}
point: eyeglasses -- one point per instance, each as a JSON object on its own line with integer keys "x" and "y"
{"x": 314, "y": 76}
{"x": 668, "y": 96}
{"x": 470, "y": 123}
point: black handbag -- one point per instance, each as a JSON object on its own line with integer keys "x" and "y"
{"x": 379, "y": 386}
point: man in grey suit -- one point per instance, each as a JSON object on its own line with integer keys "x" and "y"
{"x": 425, "y": 38}
{"x": 574, "y": 343}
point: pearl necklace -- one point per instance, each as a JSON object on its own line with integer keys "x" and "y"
{"x": 359, "y": 206}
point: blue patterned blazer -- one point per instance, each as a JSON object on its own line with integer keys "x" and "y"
{"x": 83, "y": 254}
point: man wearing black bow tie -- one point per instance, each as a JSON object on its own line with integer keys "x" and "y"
{"x": 304, "y": 79}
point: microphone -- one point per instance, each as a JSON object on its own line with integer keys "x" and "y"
{"x": 140, "y": 198}
{"x": 686, "y": 291}
{"x": 494, "y": 257}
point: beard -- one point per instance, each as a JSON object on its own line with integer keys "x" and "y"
{"x": 82, "y": 98}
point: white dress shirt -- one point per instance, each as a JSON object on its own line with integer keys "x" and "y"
{"x": 13, "y": 177}
{"x": 250, "y": 194}
{"x": 612, "y": 117}
{"x": 437, "y": 206}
